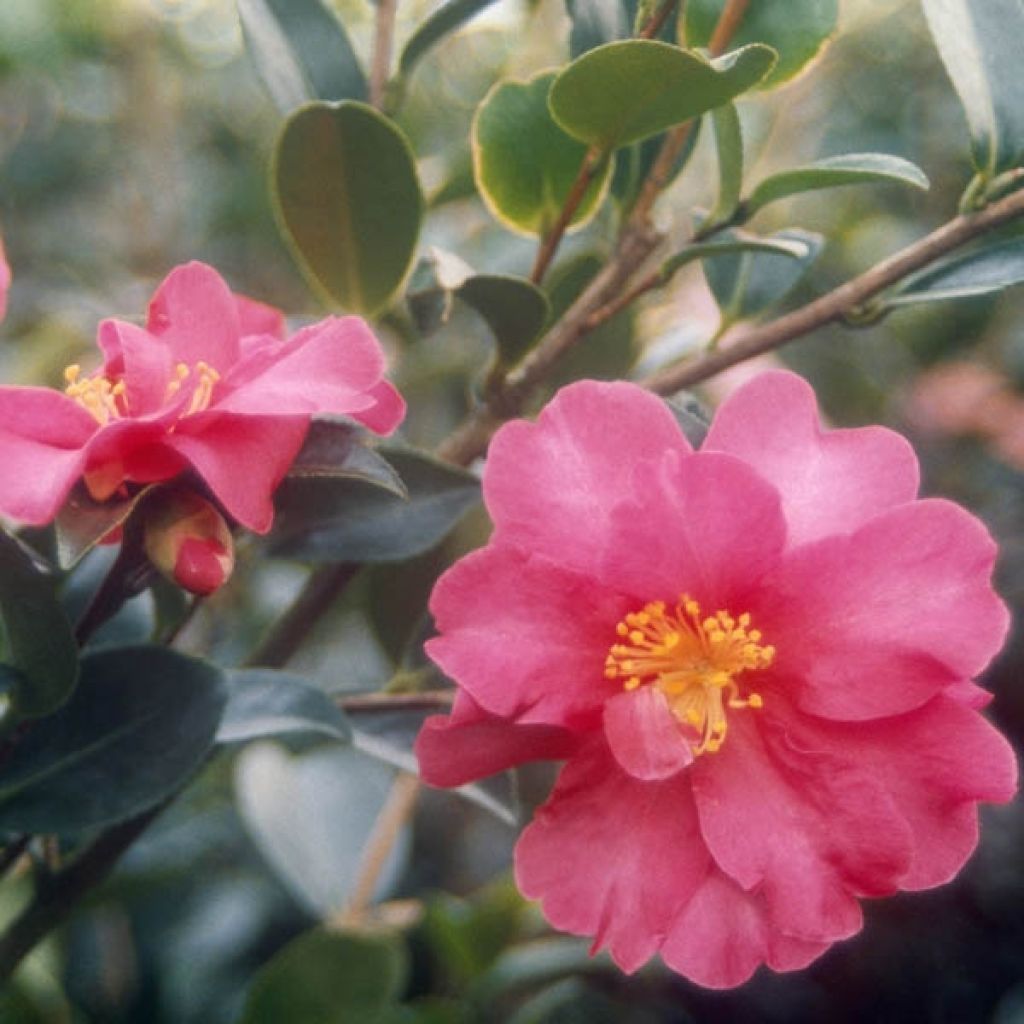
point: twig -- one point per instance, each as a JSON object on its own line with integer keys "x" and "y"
{"x": 726, "y": 26}
{"x": 383, "y": 39}
{"x": 657, "y": 20}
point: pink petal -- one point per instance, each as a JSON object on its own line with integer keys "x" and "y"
{"x": 5, "y": 280}
{"x": 935, "y": 762}
{"x": 196, "y": 315}
{"x": 551, "y": 486}
{"x": 142, "y": 360}
{"x": 613, "y": 857}
{"x": 810, "y": 830}
{"x": 471, "y": 744}
{"x": 242, "y": 459}
{"x": 644, "y": 735}
{"x": 723, "y": 934}
{"x": 258, "y": 318}
{"x": 387, "y": 412}
{"x": 830, "y": 482}
{"x": 327, "y": 368}
{"x": 43, "y": 434}
{"x": 879, "y": 621}
{"x": 703, "y": 524}
{"x": 525, "y": 638}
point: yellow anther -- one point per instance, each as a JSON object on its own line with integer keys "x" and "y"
{"x": 622, "y": 629}
{"x": 71, "y": 373}
{"x": 636, "y": 636}
{"x": 755, "y": 701}
{"x": 632, "y": 683}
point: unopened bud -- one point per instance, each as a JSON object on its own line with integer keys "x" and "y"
{"x": 187, "y": 540}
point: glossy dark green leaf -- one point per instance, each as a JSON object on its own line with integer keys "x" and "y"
{"x": 262, "y": 702}
{"x": 848, "y": 169}
{"x": 332, "y": 520}
{"x": 301, "y": 52}
{"x": 329, "y": 977}
{"x": 514, "y": 309}
{"x": 139, "y": 723}
{"x": 980, "y": 271}
{"x": 37, "y": 642}
{"x": 349, "y": 201}
{"x": 729, "y": 146}
{"x": 444, "y": 20}
{"x": 523, "y": 163}
{"x": 796, "y": 29}
{"x": 746, "y": 284}
{"x": 82, "y": 523}
{"x": 981, "y": 43}
{"x": 623, "y": 92}
{"x": 337, "y": 448}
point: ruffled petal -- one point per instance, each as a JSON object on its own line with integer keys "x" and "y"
{"x": 811, "y": 830}
{"x": 43, "y": 435}
{"x": 258, "y": 318}
{"x": 196, "y": 315}
{"x": 471, "y": 744}
{"x": 141, "y": 360}
{"x": 706, "y": 525}
{"x": 241, "y": 458}
{"x": 551, "y": 486}
{"x": 525, "y": 638}
{"x": 830, "y": 481}
{"x": 387, "y": 411}
{"x": 644, "y": 735}
{"x": 880, "y": 621}
{"x": 613, "y": 857}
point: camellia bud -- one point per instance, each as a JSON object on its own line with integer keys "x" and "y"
{"x": 186, "y": 538}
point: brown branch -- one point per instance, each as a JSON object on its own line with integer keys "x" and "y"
{"x": 656, "y": 21}
{"x": 383, "y": 39}
{"x": 728, "y": 22}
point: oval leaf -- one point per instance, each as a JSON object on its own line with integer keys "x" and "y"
{"x": 325, "y": 520}
{"x": 848, "y": 169}
{"x": 735, "y": 242}
{"x": 301, "y": 52}
{"x": 523, "y": 163}
{"x": 139, "y": 723}
{"x": 336, "y": 447}
{"x": 515, "y": 310}
{"x": 626, "y": 91}
{"x": 83, "y": 522}
{"x": 797, "y": 30}
{"x": 329, "y": 977}
{"x": 442, "y": 22}
{"x": 981, "y": 45}
{"x": 349, "y": 201}
{"x": 40, "y": 645}
{"x": 729, "y": 147}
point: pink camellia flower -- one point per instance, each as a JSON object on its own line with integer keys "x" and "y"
{"x": 211, "y": 384}
{"x": 756, "y": 660}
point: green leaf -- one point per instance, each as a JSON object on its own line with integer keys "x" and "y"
{"x": 633, "y": 163}
{"x": 981, "y": 45}
{"x": 748, "y": 283}
{"x": 337, "y": 448}
{"x": 139, "y": 723}
{"x": 40, "y": 645}
{"x": 311, "y": 814}
{"x": 82, "y": 523}
{"x": 430, "y": 294}
{"x": 332, "y": 520}
{"x": 623, "y": 92}
{"x": 441, "y": 22}
{"x": 348, "y": 201}
{"x": 329, "y": 977}
{"x": 514, "y": 309}
{"x": 980, "y": 271}
{"x": 262, "y": 702}
{"x": 729, "y": 146}
{"x": 731, "y": 242}
{"x": 301, "y": 52}
{"x": 693, "y": 418}
{"x": 796, "y": 29}
{"x": 595, "y": 22}
{"x": 848, "y": 169}
{"x": 523, "y": 163}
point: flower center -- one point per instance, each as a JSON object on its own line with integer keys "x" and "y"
{"x": 96, "y": 395}
{"x": 206, "y": 378}
{"x": 692, "y": 661}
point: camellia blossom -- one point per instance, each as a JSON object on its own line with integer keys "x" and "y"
{"x": 756, "y": 660}
{"x": 211, "y": 384}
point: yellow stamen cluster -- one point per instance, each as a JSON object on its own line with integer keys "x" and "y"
{"x": 97, "y": 395}
{"x": 206, "y": 379}
{"x": 692, "y": 661}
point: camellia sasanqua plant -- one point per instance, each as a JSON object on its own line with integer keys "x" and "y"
{"x": 490, "y": 622}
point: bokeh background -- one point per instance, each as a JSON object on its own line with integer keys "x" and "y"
{"x": 134, "y": 134}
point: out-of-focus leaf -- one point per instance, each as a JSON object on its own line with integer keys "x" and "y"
{"x": 748, "y": 283}
{"x": 329, "y": 977}
{"x": 514, "y": 309}
{"x": 349, "y": 201}
{"x": 728, "y": 243}
{"x": 693, "y": 419}
{"x": 139, "y": 723}
{"x": 796, "y": 29}
{"x": 263, "y": 702}
{"x": 729, "y": 146}
{"x": 981, "y": 45}
{"x": 337, "y": 448}
{"x": 37, "y": 642}
{"x": 531, "y": 963}
{"x": 633, "y": 163}
{"x": 596, "y": 22}
{"x": 337, "y": 520}
{"x": 311, "y": 815}
{"x": 623, "y": 92}
{"x": 441, "y": 22}
{"x": 523, "y": 163}
{"x": 431, "y": 291}
{"x": 985, "y": 269}
{"x": 848, "y": 169}
{"x": 82, "y": 523}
